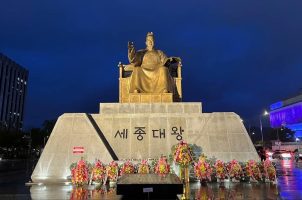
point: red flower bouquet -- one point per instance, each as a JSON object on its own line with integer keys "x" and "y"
{"x": 162, "y": 167}
{"x": 112, "y": 171}
{"x": 127, "y": 168}
{"x": 234, "y": 170}
{"x": 252, "y": 170}
{"x": 269, "y": 170}
{"x": 98, "y": 172}
{"x": 80, "y": 173}
{"x": 183, "y": 154}
{"x": 220, "y": 170}
{"x": 143, "y": 167}
{"x": 203, "y": 169}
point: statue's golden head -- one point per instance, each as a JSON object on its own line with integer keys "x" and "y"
{"x": 150, "y": 40}
{"x": 150, "y": 34}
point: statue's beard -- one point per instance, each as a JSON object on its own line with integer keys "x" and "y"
{"x": 150, "y": 48}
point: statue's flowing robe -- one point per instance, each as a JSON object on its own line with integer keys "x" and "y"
{"x": 149, "y": 74}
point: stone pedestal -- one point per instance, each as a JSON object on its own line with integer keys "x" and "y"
{"x": 140, "y": 131}
{"x": 150, "y": 98}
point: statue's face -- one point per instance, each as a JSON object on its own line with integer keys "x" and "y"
{"x": 149, "y": 42}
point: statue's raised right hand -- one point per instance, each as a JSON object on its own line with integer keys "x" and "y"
{"x": 130, "y": 45}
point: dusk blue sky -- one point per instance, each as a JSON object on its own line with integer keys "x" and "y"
{"x": 238, "y": 56}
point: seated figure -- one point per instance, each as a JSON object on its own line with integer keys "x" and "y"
{"x": 149, "y": 73}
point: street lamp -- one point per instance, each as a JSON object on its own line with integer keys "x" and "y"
{"x": 264, "y": 114}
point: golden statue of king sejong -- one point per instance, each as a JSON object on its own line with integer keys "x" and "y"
{"x": 149, "y": 73}
{"x": 151, "y": 76}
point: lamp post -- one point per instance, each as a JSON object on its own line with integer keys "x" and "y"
{"x": 264, "y": 114}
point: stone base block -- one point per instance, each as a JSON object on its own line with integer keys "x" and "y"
{"x": 150, "y": 98}
{"x": 151, "y": 108}
{"x": 140, "y": 131}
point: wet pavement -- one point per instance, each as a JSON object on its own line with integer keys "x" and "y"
{"x": 14, "y": 174}
{"x": 289, "y": 179}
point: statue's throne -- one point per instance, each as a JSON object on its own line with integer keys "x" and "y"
{"x": 174, "y": 66}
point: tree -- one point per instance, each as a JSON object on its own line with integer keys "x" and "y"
{"x": 286, "y": 135}
{"x": 283, "y": 134}
{"x": 11, "y": 138}
{"x": 39, "y": 136}
{"x": 48, "y": 125}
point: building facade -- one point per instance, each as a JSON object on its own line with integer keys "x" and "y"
{"x": 13, "y": 88}
{"x": 288, "y": 113}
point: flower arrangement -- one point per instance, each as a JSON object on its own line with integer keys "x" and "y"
{"x": 234, "y": 169}
{"x": 127, "y": 168}
{"x": 182, "y": 154}
{"x": 98, "y": 172}
{"x": 143, "y": 167}
{"x": 269, "y": 170}
{"x": 220, "y": 170}
{"x": 112, "y": 171}
{"x": 252, "y": 170}
{"x": 203, "y": 169}
{"x": 162, "y": 167}
{"x": 80, "y": 173}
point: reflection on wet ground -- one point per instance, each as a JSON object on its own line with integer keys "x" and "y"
{"x": 288, "y": 187}
{"x": 235, "y": 191}
{"x": 70, "y": 192}
{"x": 289, "y": 179}
{"x": 13, "y": 175}
{"x": 197, "y": 191}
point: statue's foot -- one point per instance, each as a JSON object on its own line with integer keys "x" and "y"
{"x": 135, "y": 91}
{"x": 165, "y": 91}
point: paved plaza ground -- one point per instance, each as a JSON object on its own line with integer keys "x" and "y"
{"x": 14, "y": 174}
